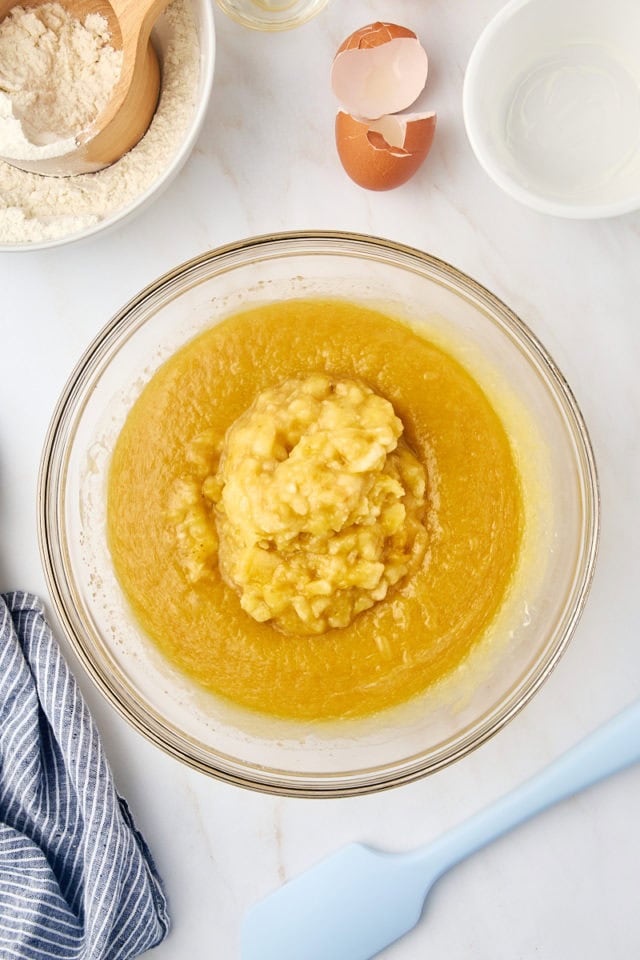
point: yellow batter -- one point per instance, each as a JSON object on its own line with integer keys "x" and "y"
{"x": 424, "y": 625}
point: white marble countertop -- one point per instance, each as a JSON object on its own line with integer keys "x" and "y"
{"x": 565, "y": 885}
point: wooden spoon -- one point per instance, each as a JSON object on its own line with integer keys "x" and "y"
{"x": 127, "y": 115}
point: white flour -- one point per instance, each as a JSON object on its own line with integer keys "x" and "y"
{"x": 13, "y": 140}
{"x": 56, "y": 76}
{"x": 34, "y": 208}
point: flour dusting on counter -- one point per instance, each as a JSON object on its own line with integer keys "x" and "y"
{"x": 35, "y": 208}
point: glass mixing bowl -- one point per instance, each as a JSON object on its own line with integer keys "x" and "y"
{"x": 532, "y": 628}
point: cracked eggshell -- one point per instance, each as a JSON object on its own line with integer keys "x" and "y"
{"x": 384, "y": 153}
{"x": 379, "y": 69}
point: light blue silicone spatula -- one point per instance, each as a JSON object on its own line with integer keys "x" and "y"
{"x": 358, "y": 901}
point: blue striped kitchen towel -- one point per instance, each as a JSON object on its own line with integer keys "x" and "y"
{"x": 77, "y": 881}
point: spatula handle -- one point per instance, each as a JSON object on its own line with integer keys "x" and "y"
{"x": 607, "y": 750}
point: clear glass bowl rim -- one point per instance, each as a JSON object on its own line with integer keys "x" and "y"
{"x": 295, "y": 14}
{"x": 52, "y": 475}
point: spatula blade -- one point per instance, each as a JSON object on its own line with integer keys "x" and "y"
{"x": 349, "y": 907}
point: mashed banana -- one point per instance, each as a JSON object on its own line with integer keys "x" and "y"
{"x": 318, "y": 504}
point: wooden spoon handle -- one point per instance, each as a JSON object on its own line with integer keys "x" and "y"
{"x": 136, "y": 18}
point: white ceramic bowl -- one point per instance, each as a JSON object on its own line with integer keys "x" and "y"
{"x": 203, "y": 14}
{"x": 552, "y": 105}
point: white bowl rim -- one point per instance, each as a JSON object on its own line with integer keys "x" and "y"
{"x": 507, "y": 183}
{"x": 207, "y": 66}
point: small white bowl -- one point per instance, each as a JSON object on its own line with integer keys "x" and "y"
{"x": 203, "y": 15}
{"x": 552, "y": 105}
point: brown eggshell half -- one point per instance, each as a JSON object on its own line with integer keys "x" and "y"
{"x": 385, "y": 153}
{"x": 378, "y": 70}
{"x": 373, "y": 35}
